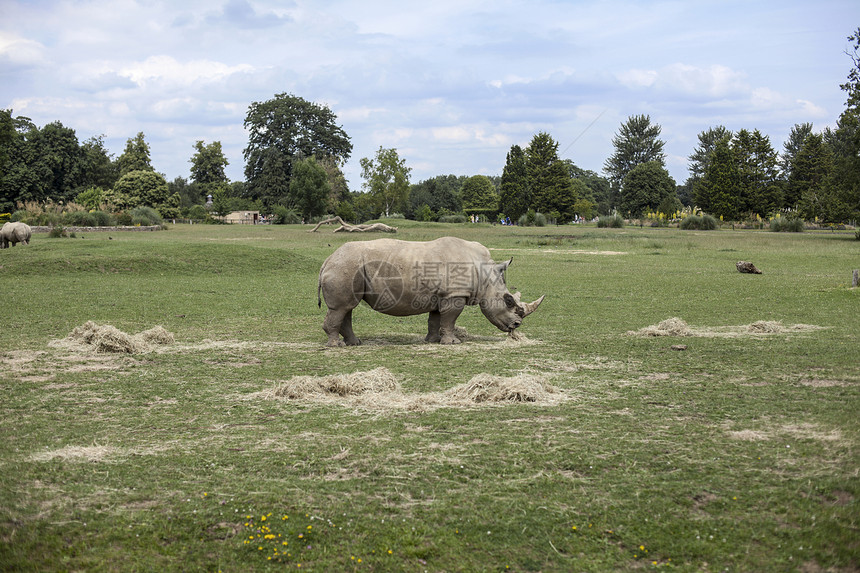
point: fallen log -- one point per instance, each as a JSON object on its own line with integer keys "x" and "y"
{"x": 348, "y": 228}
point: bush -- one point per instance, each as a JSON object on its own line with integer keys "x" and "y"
{"x": 453, "y": 219}
{"x": 123, "y": 218}
{"x": 145, "y": 216}
{"x": 611, "y": 222}
{"x": 782, "y": 225}
{"x": 87, "y": 219}
{"x": 285, "y": 216}
{"x": 532, "y": 219}
{"x": 699, "y": 223}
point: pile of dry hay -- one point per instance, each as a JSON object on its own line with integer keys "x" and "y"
{"x": 109, "y": 339}
{"x": 378, "y": 380}
{"x": 670, "y": 327}
{"x": 677, "y": 327}
{"x": 488, "y": 388}
{"x": 378, "y": 389}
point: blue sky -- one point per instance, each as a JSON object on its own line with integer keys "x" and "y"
{"x": 451, "y": 84}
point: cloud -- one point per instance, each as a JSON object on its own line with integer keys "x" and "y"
{"x": 714, "y": 81}
{"x": 241, "y": 14}
{"x": 17, "y": 52}
{"x": 168, "y": 71}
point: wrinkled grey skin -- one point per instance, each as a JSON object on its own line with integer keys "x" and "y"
{"x": 13, "y": 233}
{"x": 403, "y": 278}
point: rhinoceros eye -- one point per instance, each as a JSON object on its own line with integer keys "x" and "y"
{"x": 509, "y": 300}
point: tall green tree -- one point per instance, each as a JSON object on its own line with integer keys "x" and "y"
{"x": 309, "y": 187}
{"x": 646, "y": 186}
{"x": 135, "y": 157}
{"x": 478, "y": 193}
{"x": 637, "y": 141}
{"x": 99, "y": 168}
{"x": 719, "y": 190}
{"x": 515, "y": 197}
{"x": 844, "y": 141}
{"x": 551, "y": 187}
{"x": 698, "y": 160}
{"x": 208, "y": 164}
{"x": 758, "y": 168}
{"x": 145, "y": 188}
{"x": 386, "y": 179}
{"x": 284, "y": 129}
{"x": 810, "y": 177}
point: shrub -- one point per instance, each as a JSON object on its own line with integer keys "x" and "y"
{"x": 540, "y": 220}
{"x": 699, "y": 223}
{"x": 532, "y": 219}
{"x": 87, "y": 219}
{"x": 783, "y": 225}
{"x": 198, "y": 213}
{"x": 611, "y": 222}
{"x": 123, "y": 218}
{"x": 57, "y": 232}
{"x": 145, "y": 216}
{"x": 453, "y": 219}
{"x": 285, "y": 215}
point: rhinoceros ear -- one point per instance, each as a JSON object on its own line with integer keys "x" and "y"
{"x": 502, "y": 267}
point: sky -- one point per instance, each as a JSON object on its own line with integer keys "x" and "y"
{"x": 450, "y": 84}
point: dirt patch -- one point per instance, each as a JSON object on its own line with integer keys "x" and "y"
{"x": 677, "y": 327}
{"x": 107, "y": 339}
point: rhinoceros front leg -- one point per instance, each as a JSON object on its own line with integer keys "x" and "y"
{"x": 337, "y": 323}
{"x": 449, "y": 310}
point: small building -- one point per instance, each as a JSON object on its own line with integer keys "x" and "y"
{"x": 243, "y": 218}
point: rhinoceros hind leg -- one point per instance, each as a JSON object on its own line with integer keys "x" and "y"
{"x": 433, "y": 323}
{"x": 339, "y": 322}
{"x": 349, "y": 336}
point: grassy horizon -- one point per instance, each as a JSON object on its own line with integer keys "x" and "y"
{"x": 738, "y": 452}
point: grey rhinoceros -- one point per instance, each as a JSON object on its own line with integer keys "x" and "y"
{"x": 402, "y": 278}
{"x": 14, "y": 232}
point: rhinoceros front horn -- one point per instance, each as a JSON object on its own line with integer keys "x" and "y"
{"x": 530, "y": 307}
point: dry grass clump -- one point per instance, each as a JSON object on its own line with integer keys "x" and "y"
{"x": 378, "y": 380}
{"x": 670, "y": 327}
{"x": 108, "y": 339}
{"x": 489, "y": 388}
{"x": 766, "y": 327}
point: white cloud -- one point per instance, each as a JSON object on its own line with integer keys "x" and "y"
{"x": 16, "y": 51}
{"x": 167, "y": 70}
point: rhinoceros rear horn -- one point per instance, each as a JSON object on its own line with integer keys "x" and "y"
{"x": 530, "y": 307}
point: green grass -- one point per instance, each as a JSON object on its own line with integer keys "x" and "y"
{"x": 738, "y": 453}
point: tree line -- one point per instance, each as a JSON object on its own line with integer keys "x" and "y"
{"x": 296, "y": 152}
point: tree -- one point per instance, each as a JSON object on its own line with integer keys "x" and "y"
{"x": 441, "y": 194}
{"x": 515, "y": 193}
{"x": 718, "y": 192}
{"x": 700, "y": 157}
{"x": 207, "y": 165}
{"x": 551, "y": 187}
{"x": 386, "y": 179}
{"x": 646, "y": 186}
{"x": 757, "y": 164}
{"x": 282, "y": 130}
{"x": 145, "y": 189}
{"x": 810, "y": 176}
{"x": 135, "y": 157}
{"x": 637, "y": 141}
{"x": 479, "y": 194}
{"x": 98, "y": 166}
{"x": 845, "y": 145}
{"x": 791, "y": 147}
{"x": 309, "y": 187}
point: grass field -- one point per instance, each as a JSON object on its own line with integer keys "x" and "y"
{"x": 729, "y": 449}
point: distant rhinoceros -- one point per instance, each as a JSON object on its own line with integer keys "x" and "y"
{"x": 14, "y": 232}
{"x": 403, "y": 278}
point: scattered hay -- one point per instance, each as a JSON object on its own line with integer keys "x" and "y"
{"x": 677, "y": 327}
{"x": 376, "y": 381}
{"x": 75, "y": 453}
{"x": 669, "y": 327}
{"x": 488, "y": 388}
{"x": 107, "y": 339}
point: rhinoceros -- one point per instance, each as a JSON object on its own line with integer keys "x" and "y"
{"x": 403, "y": 278}
{"x": 13, "y": 233}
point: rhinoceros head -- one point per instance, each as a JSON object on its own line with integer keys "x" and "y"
{"x": 505, "y": 310}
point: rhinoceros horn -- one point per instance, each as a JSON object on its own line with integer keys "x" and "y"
{"x": 528, "y": 307}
